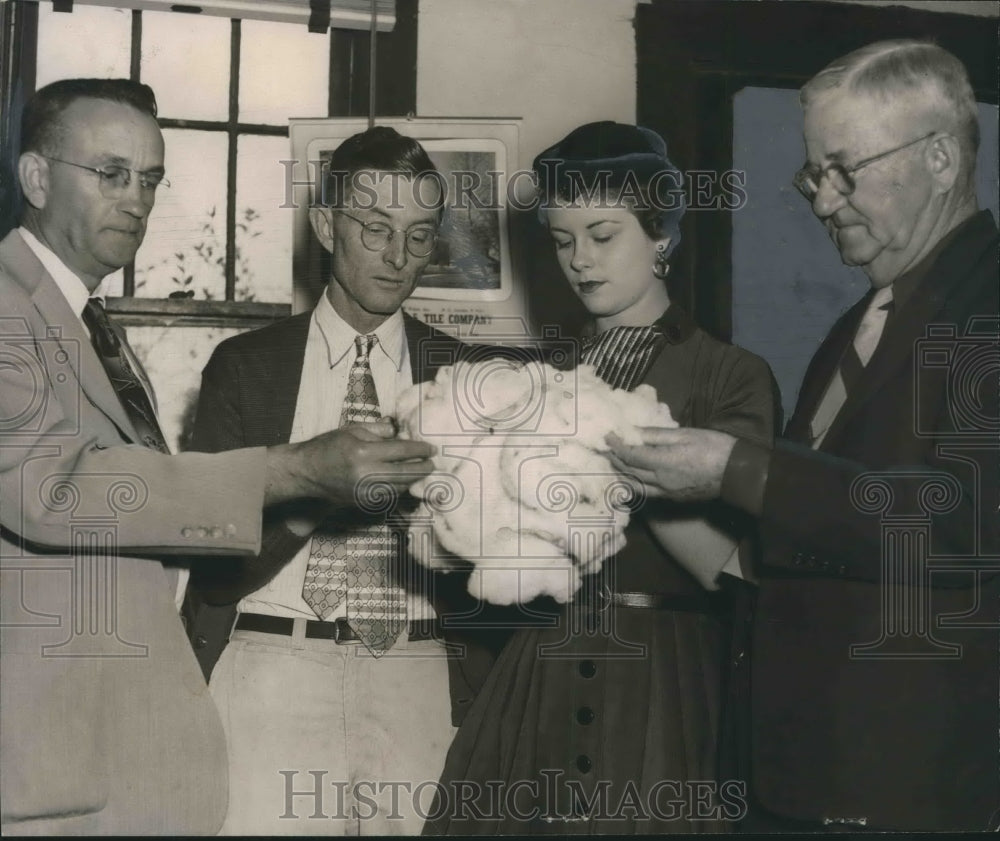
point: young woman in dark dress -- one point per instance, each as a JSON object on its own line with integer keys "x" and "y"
{"x": 608, "y": 721}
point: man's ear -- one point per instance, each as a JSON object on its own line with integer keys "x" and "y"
{"x": 321, "y": 220}
{"x": 944, "y": 158}
{"x": 33, "y": 173}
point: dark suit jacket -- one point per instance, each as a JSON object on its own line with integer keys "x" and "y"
{"x": 904, "y": 734}
{"x": 248, "y": 395}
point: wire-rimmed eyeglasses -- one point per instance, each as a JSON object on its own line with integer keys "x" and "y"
{"x": 375, "y": 236}
{"x": 114, "y": 179}
{"x": 841, "y": 178}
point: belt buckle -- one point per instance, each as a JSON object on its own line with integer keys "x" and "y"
{"x": 344, "y": 634}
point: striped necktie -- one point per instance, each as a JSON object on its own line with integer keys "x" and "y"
{"x": 114, "y": 354}
{"x": 622, "y": 355}
{"x": 852, "y": 364}
{"x": 353, "y": 561}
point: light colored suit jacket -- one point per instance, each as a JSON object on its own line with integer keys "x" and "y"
{"x": 106, "y": 724}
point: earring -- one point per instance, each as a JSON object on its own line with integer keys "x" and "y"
{"x": 660, "y": 267}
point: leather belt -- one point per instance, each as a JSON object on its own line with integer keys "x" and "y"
{"x": 338, "y": 630}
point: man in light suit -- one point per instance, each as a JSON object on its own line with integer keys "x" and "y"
{"x": 106, "y": 724}
{"x": 873, "y": 663}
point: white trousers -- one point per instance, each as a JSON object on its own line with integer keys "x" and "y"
{"x": 325, "y": 739}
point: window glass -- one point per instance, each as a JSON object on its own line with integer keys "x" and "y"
{"x": 185, "y": 59}
{"x": 89, "y": 42}
{"x": 174, "y": 358}
{"x": 263, "y": 227}
{"x": 184, "y": 253}
{"x": 284, "y": 72}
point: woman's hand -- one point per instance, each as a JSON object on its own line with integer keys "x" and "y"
{"x": 684, "y": 465}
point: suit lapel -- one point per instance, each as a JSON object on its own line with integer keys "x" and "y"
{"x": 895, "y": 350}
{"x": 820, "y": 373}
{"x": 907, "y": 326}
{"x": 65, "y": 328}
{"x": 286, "y": 389}
{"x": 276, "y": 364}
{"x": 277, "y": 367}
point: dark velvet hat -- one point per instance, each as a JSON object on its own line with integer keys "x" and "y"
{"x": 612, "y": 146}
{"x": 617, "y": 154}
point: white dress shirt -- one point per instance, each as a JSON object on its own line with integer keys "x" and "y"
{"x": 73, "y": 289}
{"x": 329, "y": 355}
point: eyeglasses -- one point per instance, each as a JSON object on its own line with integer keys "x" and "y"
{"x": 376, "y": 236}
{"x": 115, "y": 179}
{"x": 841, "y": 178}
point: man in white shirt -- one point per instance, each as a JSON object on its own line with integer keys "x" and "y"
{"x": 327, "y": 734}
{"x": 106, "y": 726}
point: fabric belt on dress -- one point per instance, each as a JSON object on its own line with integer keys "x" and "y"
{"x": 694, "y": 603}
{"x": 337, "y": 630}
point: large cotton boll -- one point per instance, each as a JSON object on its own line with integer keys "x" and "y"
{"x": 522, "y": 489}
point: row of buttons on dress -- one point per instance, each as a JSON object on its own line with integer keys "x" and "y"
{"x": 585, "y": 715}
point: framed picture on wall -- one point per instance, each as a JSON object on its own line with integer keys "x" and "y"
{"x": 471, "y": 267}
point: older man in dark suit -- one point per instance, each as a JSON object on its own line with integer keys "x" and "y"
{"x": 873, "y": 663}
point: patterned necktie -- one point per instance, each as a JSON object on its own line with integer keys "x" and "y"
{"x": 351, "y": 560}
{"x": 622, "y": 355}
{"x": 114, "y": 356}
{"x": 852, "y": 364}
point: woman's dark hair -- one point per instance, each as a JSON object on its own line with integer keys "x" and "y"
{"x": 619, "y": 164}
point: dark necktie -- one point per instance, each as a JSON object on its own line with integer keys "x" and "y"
{"x": 354, "y": 561}
{"x": 114, "y": 356}
{"x": 852, "y": 364}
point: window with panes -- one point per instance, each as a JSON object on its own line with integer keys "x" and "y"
{"x": 217, "y": 257}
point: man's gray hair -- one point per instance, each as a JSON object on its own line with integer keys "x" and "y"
{"x": 920, "y": 70}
